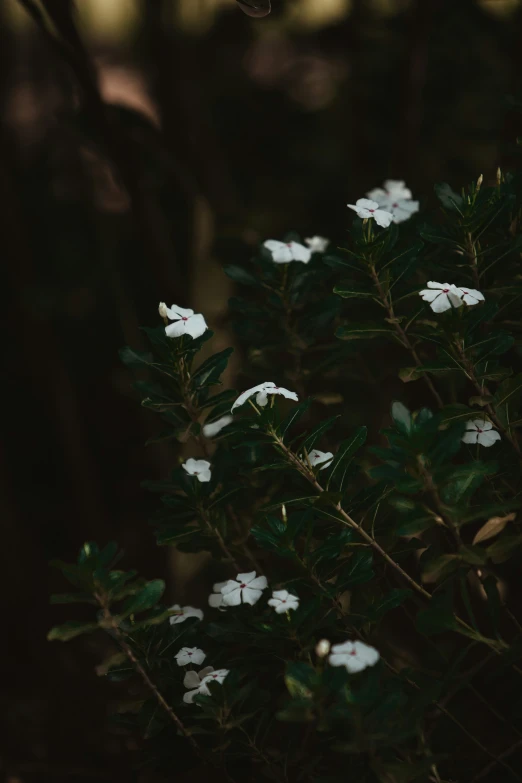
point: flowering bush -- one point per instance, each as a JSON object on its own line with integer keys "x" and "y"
{"x": 360, "y": 609}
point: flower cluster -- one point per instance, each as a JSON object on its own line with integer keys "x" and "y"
{"x": 354, "y": 656}
{"x": 285, "y": 252}
{"x": 247, "y": 589}
{"x": 396, "y": 198}
{"x": 444, "y": 296}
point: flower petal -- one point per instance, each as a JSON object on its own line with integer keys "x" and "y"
{"x": 259, "y": 583}
{"x": 191, "y": 680}
{"x": 382, "y": 218}
{"x": 282, "y": 595}
{"x": 233, "y": 598}
{"x": 250, "y": 595}
{"x": 470, "y": 437}
{"x": 250, "y": 392}
{"x": 211, "y": 429}
{"x": 441, "y": 304}
{"x": 281, "y": 251}
{"x": 188, "y": 697}
{"x": 215, "y": 600}
{"x": 246, "y": 578}
{"x": 196, "y": 326}
{"x": 488, "y": 438}
{"x": 300, "y": 252}
{"x": 177, "y": 329}
{"x": 176, "y": 312}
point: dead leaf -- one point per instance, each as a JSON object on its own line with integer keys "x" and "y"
{"x": 493, "y": 527}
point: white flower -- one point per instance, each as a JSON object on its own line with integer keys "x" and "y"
{"x": 190, "y": 655}
{"x": 471, "y": 296}
{"x": 441, "y": 296}
{"x": 199, "y": 468}
{"x": 199, "y": 682}
{"x": 285, "y": 252}
{"x": 215, "y": 599}
{"x": 317, "y": 244}
{"x": 183, "y": 613}
{"x": 354, "y": 656}
{"x": 480, "y": 431}
{"x": 185, "y": 322}
{"x": 317, "y": 457}
{"x": 283, "y": 601}
{"x": 246, "y": 588}
{"x": 322, "y": 648}
{"x": 366, "y": 208}
{"x": 395, "y": 197}
{"x": 212, "y": 429}
{"x": 392, "y": 189}
{"x": 262, "y": 391}
{"x": 163, "y": 310}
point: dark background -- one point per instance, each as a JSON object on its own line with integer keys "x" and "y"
{"x": 217, "y": 131}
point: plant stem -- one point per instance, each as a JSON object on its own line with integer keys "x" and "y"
{"x": 120, "y": 637}
{"x": 350, "y": 522}
{"x": 403, "y": 337}
{"x": 498, "y": 760}
{"x": 483, "y": 390}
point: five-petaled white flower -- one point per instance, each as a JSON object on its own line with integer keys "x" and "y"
{"x": 215, "y": 599}
{"x": 317, "y": 244}
{"x": 262, "y": 391}
{"x": 354, "y": 656}
{"x": 395, "y": 197}
{"x": 367, "y": 208}
{"x": 285, "y": 252}
{"x": 183, "y": 613}
{"x": 212, "y": 429}
{"x": 199, "y": 468}
{"x": 471, "y": 296}
{"x": 480, "y": 431}
{"x": 190, "y": 655}
{"x": 199, "y": 682}
{"x": 283, "y": 601}
{"x": 441, "y": 296}
{"x": 322, "y": 458}
{"x": 246, "y": 588}
{"x": 185, "y": 321}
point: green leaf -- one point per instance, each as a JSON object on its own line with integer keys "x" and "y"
{"x": 210, "y": 371}
{"x": 438, "y": 616}
{"x": 349, "y": 290}
{"x": 448, "y": 198}
{"x": 395, "y": 598}
{"x": 295, "y": 414}
{"x": 502, "y": 549}
{"x": 312, "y": 438}
{"x": 147, "y": 597}
{"x": 300, "y": 679}
{"x": 357, "y": 571}
{"x": 69, "y": 630}
{"x": 133, "y": 358}
{"x": 363, "y": 331}
{"x": 344, "y": 455}
{"x": 240, "y": 275}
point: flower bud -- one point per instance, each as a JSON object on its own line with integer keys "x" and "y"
{"x": 479, "y": 182}
{"x": 322, "y": 648}
{"x": 499, "y": 176}
{"x": 162, "y": 310}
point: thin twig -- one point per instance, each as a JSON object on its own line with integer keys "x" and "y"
{"x": 113, "y": 625}
{"x": 403, "y": 337}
